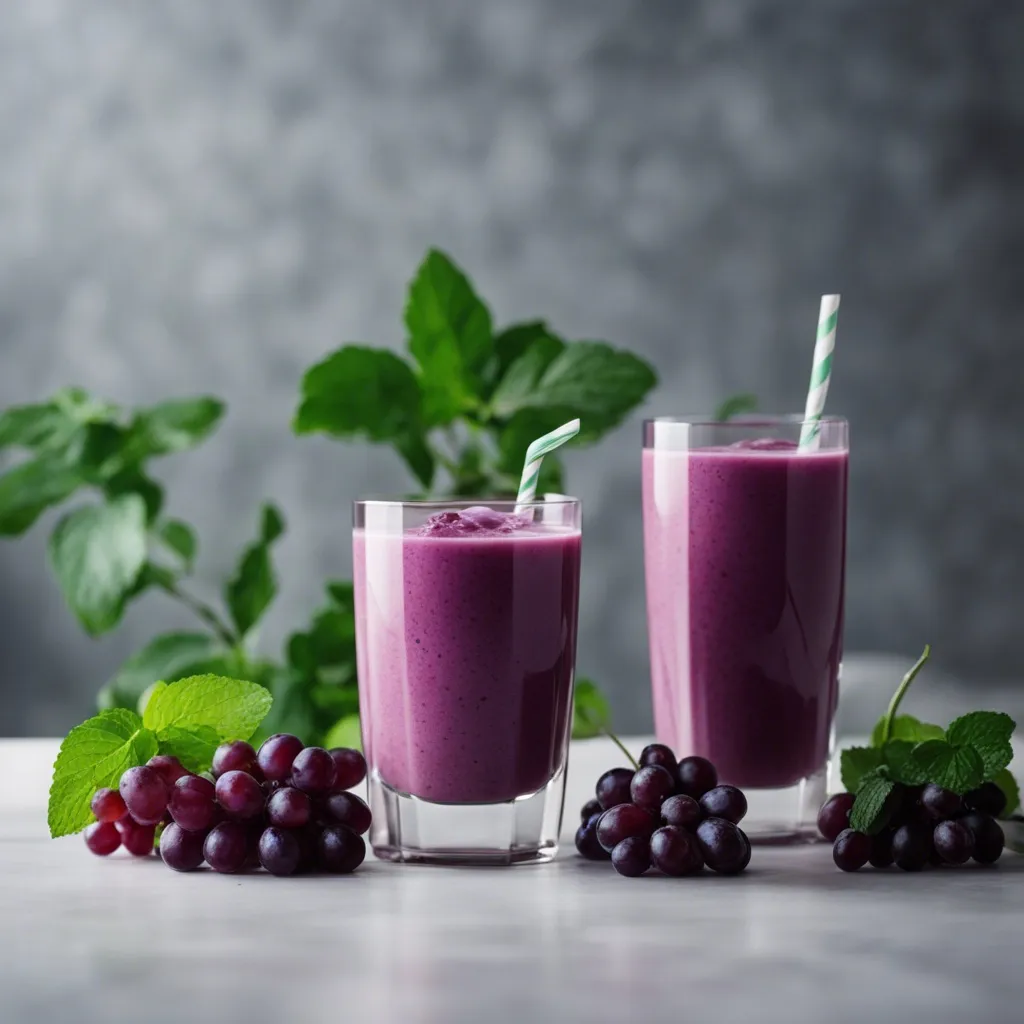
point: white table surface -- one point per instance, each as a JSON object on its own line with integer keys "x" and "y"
{"x": 85, "y": 939}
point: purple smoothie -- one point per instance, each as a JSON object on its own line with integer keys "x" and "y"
{"x": 466, "y": 637}
{"x": 745, "y": 559}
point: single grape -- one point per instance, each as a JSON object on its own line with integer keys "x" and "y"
{"x": 659, "y": 754}
{"x": 988, "y": 836}
{"x": 851, "y": 850}
{"x": 674, "y": 851}
{"x": 289, "y": 808}
{"x": 881, "y": 849}
{"x": 145, "y": 794}
{"x": 940, "y": 803}
{"x": 135, "y": 838}
{"x": 696, "y": 776}
{"x": 227, "y": 847}
{"x": 909, "y": 808}
{"x": 193, "y": 803}
{"x": 622, "y": 821}
{"x": 834, "y": 815}
{"x": 279, "y": 851}
{"x": 586, "y": 840}
{"x": 682, "y": 810}
{"x": 276, "y": 755}
{"x": 724, "y": 845}
{"x": 987, "y": 798}
{"x": 236, "y": 756}
{"x": 102, "y": 838}
{"x": 239, "y": 794}
{"x": 650, "y": 787}
{"x": 954, "y": 842}
{"x": 349, "y": 810}
{"x": 632, "y": 857}
{"x": 108, "y": 806}
{"x": 181, "y": 849}
{"x": 613, "y": 787}
{"x": 170, "y": 768}
{"x": 589, "y": 809}
{"x": 313, "y": 770}
{"x": 341, "y": 850}
{"x": 724, "y": 802}
{"x": 349, "y": 767}
{"x": 912, "y": 846}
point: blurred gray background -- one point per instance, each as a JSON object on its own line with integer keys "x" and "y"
{"x": 200, "y": 197}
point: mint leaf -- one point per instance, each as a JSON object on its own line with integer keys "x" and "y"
{"x": 736, "y": 405}
{"x": 898, "y": 755}
{"x": 1008, "y": 784}
{"x": 233, "y": 708}
{"x": 194, "y": 747}
{"x": 97, "y": 553}
{"x": 342, "y": 594}
{"x": 855, "y": 763}
{"x": 167, "y": 658}
{"x": 449, "y": 336}
{"x": 907, "y": 727}
{"x": 874, "y": 804}
{"x": 94, "y": 754}
{"x": 591, "y": 711}
{"x": 40, "y": 428}
{"x": 596, "y": 382}
{"x": 345, "y": 733}
{"x": 988, "y": 732}
{"x": 173, "y": 426}
{"x": 510, "y": 344}
{"x": 516, "y": 388}
{"x": 32, "y": 487}
{"x": 958, "y": 768}
{"x": 250, "y": 591}
{"x": 367, "y": 392}
{"x": 134, "y": 481}
{"x": 181, "y": 539}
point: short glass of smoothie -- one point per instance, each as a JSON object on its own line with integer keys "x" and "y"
{"x": 745, "y": 556}
{"x": 466, "y": 616}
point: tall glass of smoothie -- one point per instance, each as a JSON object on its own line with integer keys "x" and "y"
{"x": 745, "y": 553}
{"x": 466, "y": 616}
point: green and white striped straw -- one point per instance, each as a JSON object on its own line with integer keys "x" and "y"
{"x": 821, "y": 372}
{"x": 535, "y": 456}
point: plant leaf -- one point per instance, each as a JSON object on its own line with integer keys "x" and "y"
{"x": 874, "y": 803}
{"x": 28, "y": 489}
{"x": 165, "y": 658}
{"x": 736, "y": 405}
{"x": 958, "y": 768}
{"x": 193, "y": 747}
{"x": 181, "y": 539}
{"x": 907, "y": 727}
{"x": 173, "y": 426}
{"x": 233, "y": 708}
{"x": 855, "y": 763}
{"x": 94, "y": 754}
{"x": 510, "y": 344}
{"x": 45, "y": 427}
{"x": 345, "y": 733}
{"x": 899, "y": 757}
{"x": 134, "y": 481}
{"x": 988, "y": 732}
{"x": 249, "y": 592}
{"x": 591, "y": 711}
{"x": 515, "y": 389}
{"x": 1005, "y": 780}
{"x": 449, "y": 336}
{"x": 367, "y": 392}
{"x": 97, "y": 553}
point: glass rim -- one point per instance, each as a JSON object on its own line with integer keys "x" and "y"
{"x": 442, "y": 503}
{"x": 753, "y": 420}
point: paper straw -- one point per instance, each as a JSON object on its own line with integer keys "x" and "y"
{"x": 821, "y": 372}
{"x": 535, "y": 456}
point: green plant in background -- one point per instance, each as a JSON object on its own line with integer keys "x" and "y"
{"x": 459, "y": 409}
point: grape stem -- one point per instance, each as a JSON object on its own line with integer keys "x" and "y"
{"x": 615, "y": 739}
{"x": 901, "y": 691}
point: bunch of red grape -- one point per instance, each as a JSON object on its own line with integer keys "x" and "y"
{"x": 668, "y": 814}
{"x": 285, "y": 808}
{"x": 929, "y": 825}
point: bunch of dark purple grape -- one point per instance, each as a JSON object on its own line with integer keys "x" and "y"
{"x": 285, "y": 808}
{"x": 668, "y": 814}
{"x": 928, "y": 825}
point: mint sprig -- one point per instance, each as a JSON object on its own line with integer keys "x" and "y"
{"x": 188, "y": 719}
{"x": 975, "y": 748}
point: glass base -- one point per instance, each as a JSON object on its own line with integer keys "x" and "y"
{"x": 414, "y": 831}
{"x": 789, "y": 815}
